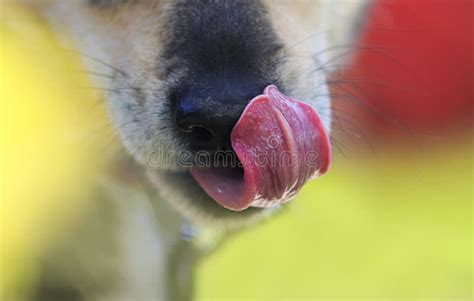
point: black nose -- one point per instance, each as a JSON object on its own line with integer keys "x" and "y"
{"x": 206, "y": 114}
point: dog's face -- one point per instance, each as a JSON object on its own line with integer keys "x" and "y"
{"x": 183, "y": 71}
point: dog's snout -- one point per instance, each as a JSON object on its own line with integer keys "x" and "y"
{"x": 206, "y": 116}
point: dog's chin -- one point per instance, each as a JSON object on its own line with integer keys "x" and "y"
{"x": 183, "y": 193}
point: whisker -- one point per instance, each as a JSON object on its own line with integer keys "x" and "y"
{"x": 309, "y": 37}
{"x": 97, "y": 74}
{"x": 140, "y": 145}
{"x": 116, "y": 137}
{"x": 354, "y": 47}
{"x": 391, "y": 58}
{"x": 117, "y": 91}
{"x": 118, "y": 70}
{"x": 396, "y": 123}
{"x": 354, "y": 81}
{"x": 338, "y": 145}
{"x": 353, "y": 131}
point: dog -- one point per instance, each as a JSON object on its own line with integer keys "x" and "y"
{"x": 180, "y": 76}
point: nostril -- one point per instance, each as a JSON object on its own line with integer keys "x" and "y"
{"x": 198, "y": 136}
{"x": 194, "y": 123}
{"x": 202, "y": 134}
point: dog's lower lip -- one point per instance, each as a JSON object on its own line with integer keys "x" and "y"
{"x": 272, "y": 124}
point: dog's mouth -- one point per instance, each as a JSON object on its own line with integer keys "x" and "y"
{"x": 280, "y": 144}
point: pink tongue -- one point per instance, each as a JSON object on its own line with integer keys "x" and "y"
{"x": 281, "y": 143}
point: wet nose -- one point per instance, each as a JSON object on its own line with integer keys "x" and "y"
{"x": 206, "y": 114}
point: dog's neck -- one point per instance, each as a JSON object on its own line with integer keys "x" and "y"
{"x": 154, "y": 227}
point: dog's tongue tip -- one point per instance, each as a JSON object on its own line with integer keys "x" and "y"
{"x": 281, "y": 144}
{"x": 226, "y": 186}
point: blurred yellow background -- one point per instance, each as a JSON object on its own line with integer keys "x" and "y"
{"x": 49, "y": 145}
{"x": 372, "y": 229}
{"x": 394, "y": 227}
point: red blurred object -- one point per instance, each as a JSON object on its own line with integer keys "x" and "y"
{"x": 414, "y": 65}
